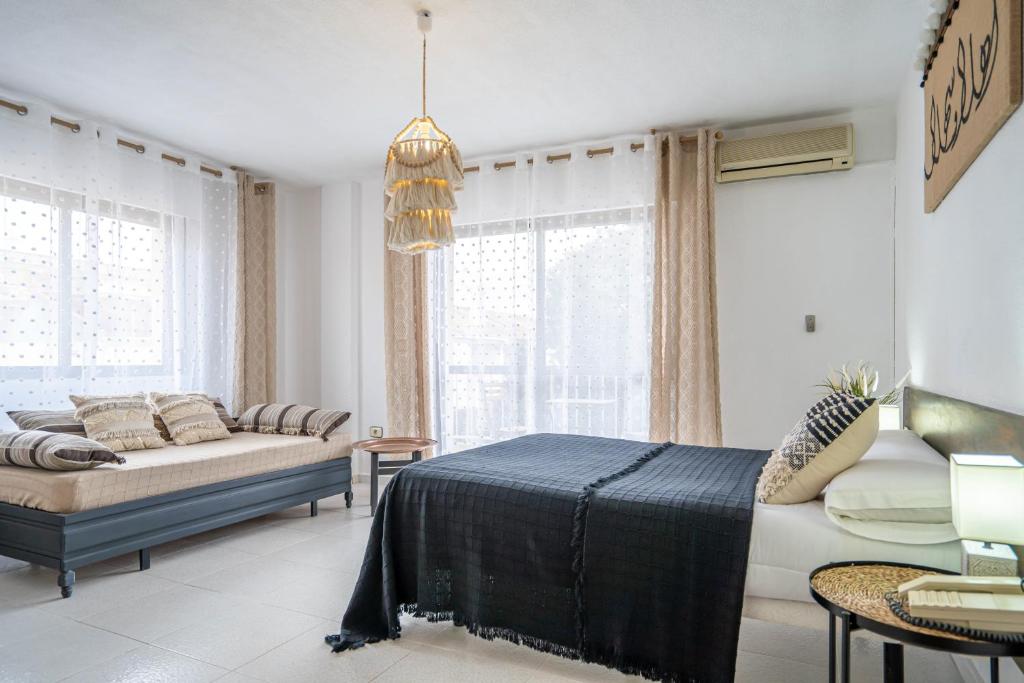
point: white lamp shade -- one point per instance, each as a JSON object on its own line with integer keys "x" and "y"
{"x": 988, "y": 497}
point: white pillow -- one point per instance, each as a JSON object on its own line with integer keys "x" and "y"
{"x": 898, "y": 492}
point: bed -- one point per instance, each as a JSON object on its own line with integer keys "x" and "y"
{"x": 493, "y": 543}
{"x": 67, "y": 520}
{"x": 787, "y": 542}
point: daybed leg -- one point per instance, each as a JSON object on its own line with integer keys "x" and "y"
{"x": 312, "y": 508}
{"x": 348, "y": 499}
{"x": 66, "y": 581}
{"x": 144, "y": 559}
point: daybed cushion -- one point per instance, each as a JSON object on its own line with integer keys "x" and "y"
{"x": 63, "y": 421}
{"x": 280, "y": 418}
{"x": 53, "y": 451}
{"x": 173, "y": 468}
{"x": 121, "y": 423}
{"x": 222, "y": 413}
{"x": 189, "y": 418}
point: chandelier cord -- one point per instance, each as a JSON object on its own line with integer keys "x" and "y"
{"x": 424, "y": 81}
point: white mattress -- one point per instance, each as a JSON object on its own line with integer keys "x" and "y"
{"x": 787, "y": 542}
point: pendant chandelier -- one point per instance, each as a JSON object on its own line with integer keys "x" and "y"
{"x": 424, "y": 169}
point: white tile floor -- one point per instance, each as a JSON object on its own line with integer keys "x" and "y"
{"x": 252, "y": 602}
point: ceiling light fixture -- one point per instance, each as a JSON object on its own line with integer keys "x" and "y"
{"x": 423, "y": 171}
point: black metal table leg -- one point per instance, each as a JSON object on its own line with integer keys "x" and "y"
{"x": 892, "y": 662}
{"x": 417, "y": 455}
{"x": 373, "y": 483}
{"x": 844, "y": 659}
{"x": 993, "y": 670}
{"x": 144, "y": 559}
{"x": 831, "y": 648}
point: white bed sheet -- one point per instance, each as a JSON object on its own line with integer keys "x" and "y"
{"x": 787, "y": 542}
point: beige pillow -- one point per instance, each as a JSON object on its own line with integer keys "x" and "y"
{"x": 834, "y": 434}
{"x": 189, "y": 418}
{"x": 121, "y": 423}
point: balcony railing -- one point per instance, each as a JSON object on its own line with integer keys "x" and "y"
{"x": 487, "y": 404}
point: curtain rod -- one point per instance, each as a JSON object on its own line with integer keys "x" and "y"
{"x": 22, "y": 110}
{"x": 591, "y": 153}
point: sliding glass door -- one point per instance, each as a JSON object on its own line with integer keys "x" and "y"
{"x": 542, "y": 324}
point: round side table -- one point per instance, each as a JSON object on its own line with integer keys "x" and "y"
{"x": 390, "y": 445}
{"x": 854, "y": 592}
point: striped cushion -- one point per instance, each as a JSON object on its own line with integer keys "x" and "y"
{"x": 121, "y": 423}
{"x": 158, "y": 422}
{"x": 832, "y": 436}
{"x": 278, "y": 418}
{"x": 48, "y": 421}
{"x": 222, "y": 413}
{"x": 190, "y": 418}
{"x": 53, "y": 451}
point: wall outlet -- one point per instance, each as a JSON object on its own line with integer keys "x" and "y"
{"x": 376, "y": 432}
{"x": 810, "y": 322}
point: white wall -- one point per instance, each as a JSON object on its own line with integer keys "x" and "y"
{"x": 817, "y": 244}
{"x": 298, "y": 294}
{"x": 960, "y": 293}
{"x": 352, "y": 308}
{"x": 960, "y": 285}
{"x": 340, "y": 283}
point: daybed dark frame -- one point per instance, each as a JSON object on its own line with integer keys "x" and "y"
{"x": 69, "y": 541}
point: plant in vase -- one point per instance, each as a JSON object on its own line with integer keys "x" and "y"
{"x": 862, "y": 381}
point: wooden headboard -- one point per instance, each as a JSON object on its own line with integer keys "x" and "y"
{"x": 950, "y": 425}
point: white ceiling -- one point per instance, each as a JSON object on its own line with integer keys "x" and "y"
{"x": 313, "y": 90}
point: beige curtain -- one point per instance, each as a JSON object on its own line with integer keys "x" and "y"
{"x": 685, "y": 405}
{"x": 405, "y": 344}
{"x": 256, "y": 295}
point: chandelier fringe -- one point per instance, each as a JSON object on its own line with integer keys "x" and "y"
{"x": 446, "y": 166}
{"x": 421, "y": 195}
{"x": 411, "y": 233}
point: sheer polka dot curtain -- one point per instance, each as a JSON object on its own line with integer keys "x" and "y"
{"x": 540, "y": 312}
{"x": 116, "y": 267}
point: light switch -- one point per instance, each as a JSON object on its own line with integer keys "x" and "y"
{"x": 809, "y": 323}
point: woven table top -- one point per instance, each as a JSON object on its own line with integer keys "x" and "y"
{"x": 860, "y": 589}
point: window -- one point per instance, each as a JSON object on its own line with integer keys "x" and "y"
{"x": 81, "y": 290}
{"x": 542, "y": 325}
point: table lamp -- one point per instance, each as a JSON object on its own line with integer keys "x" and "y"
{"x": 988, "y": 511}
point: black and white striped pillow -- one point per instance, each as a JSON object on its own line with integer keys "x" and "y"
{"x": 53, "y": 451}
{"x": 62, "y": 421}
{"x": 279, "y": 418}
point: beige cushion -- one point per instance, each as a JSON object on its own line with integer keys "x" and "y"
{"x": 834, "y": 434}
{"x": 121, "y": 423}
{"x": 189, "y": 418}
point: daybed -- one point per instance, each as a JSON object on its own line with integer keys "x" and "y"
{"x": 67, "y": 520}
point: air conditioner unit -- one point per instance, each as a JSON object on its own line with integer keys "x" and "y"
{"x": 808, "y": 151}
